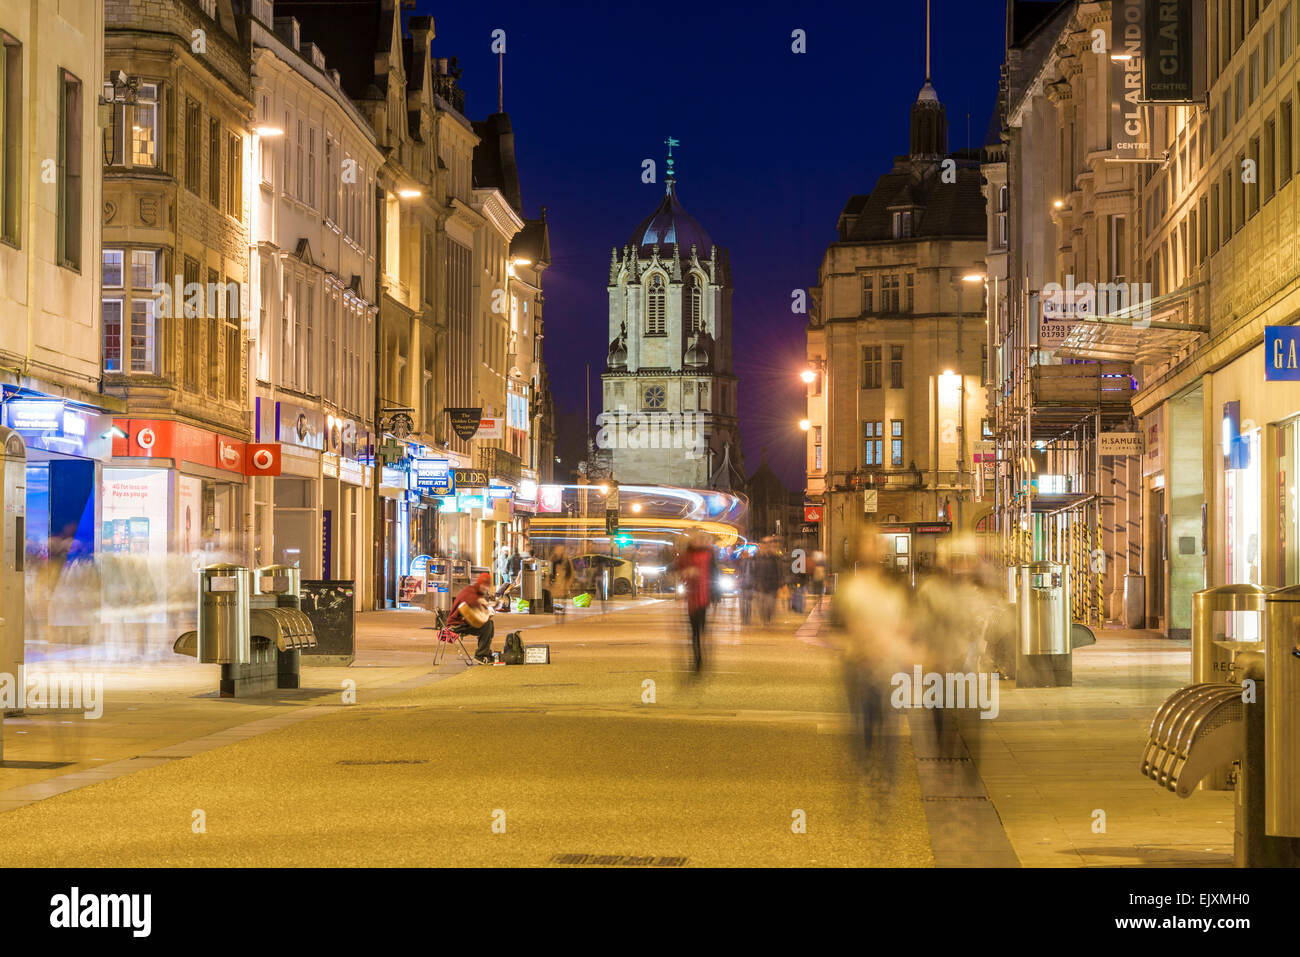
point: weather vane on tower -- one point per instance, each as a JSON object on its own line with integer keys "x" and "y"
{"x": 671, "y": 143}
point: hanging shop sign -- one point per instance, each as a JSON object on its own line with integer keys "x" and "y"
{"x": 465, "y": 422}
{"x": 489, "y": 427}
{"x": 550, "y": 498}
{"x": 470, "y": 478}
{"x": 1119, "y": 443}
{"x": 1128, "y": 124}
{"x": 433, "y": 476}
{"x": 1173, "y": 64}
{"x": 812, "y": 513}
{"x": 262, "y": 458}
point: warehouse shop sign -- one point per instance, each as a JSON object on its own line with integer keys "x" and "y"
{"x": 1119, "y": 443}
{"x": 1281, "y": 353}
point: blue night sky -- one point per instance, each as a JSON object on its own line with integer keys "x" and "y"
{"x": 772, "y": 145}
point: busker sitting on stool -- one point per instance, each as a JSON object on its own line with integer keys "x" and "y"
{"x": 472, "y": 616}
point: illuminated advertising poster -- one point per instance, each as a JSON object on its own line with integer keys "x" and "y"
{"x": 550, "y": 498}
{"x": 135, "y": 507}
{"x": 189, "y": 515}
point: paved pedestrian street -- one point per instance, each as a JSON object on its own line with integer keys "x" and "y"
{"x": 582, "y": 761}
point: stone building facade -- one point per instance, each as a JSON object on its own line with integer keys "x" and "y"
{"x": 895, "y": 347}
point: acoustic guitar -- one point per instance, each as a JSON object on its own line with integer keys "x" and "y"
{"x": 475, "y": 615}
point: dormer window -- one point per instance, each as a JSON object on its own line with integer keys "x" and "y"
{"x": 902, "y": 223}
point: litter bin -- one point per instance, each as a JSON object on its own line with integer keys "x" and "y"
{"x": 1211, "y": 653}
{"x": 223, "y": 633}
{"x": 459, "y": 575}
{"x": 1135, "y": 601}
{"x": 275, "y": 613}
{"x": 536, "y": 586}
{"x": 1282, "y": 712}
{"x": 437, "y": 585}
{"x": 1043, "y": 658}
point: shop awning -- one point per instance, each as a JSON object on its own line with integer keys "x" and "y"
{"x": 1147, "y": 332}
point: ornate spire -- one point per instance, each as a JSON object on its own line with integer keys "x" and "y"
{"x": 671, "y": 176}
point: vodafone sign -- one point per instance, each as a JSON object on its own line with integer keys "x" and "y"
{"x": 165, "y": 439}
{"x": 262, "y": 458}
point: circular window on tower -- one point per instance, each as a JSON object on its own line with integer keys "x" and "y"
{"x": 654, "y": 397}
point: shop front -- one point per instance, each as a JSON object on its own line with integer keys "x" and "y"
{"x": 173, "y": 502}
{"x": 66, "y": 443}
{"x": 1252, "y": 427}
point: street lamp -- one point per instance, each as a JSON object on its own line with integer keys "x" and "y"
{"x": 805, "y": 424}
{"x": 808, "y": 376}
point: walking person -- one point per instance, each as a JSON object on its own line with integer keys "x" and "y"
{"x": 562, "y": 574}
{"x": 695, "y": 567}
{"x": 745, "y": 586}
{"x": 767, "y": 579}
{"x": 471, "y": 616}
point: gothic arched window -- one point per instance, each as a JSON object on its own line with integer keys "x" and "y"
{"x": 695, "y": 309}
{"x": 655, "y": 322}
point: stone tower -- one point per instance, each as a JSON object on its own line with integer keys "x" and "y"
{"x": 669, "y": 394}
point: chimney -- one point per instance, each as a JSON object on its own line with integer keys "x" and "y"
{"x": 286, "y": 28}
{"x": 422, "y": 33}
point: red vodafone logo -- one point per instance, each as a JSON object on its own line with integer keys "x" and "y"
{"x": 145, "y": 438}
{"x": 262, "y": 459}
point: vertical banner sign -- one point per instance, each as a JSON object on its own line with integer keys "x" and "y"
{"x": 1173, "y": 66}
{"x": 326, "y": 543}
{"x": 1128, "y": 125}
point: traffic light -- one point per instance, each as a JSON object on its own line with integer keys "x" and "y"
{"x": 623, "y": 539}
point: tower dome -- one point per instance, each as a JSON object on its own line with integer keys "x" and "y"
{"x": 671, "y": 223}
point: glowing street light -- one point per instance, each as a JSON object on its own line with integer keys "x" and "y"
{"x": 808, "y": 375}
{"x": 805, "y": 424}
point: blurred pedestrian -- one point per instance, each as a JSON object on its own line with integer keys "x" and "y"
{"x": 767, "y": 579}
{"x": 695, "y": 570}
{"x": 562, "y": 573}
{"x": 874, "y": 636}
{"x": 745, "y": 585}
